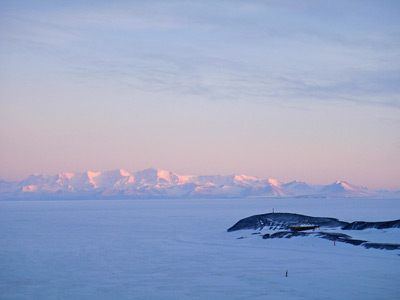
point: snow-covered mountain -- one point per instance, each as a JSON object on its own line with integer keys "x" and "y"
{"x": 344, "y": 188}
{"x": 162, "y": 183}
{"x": 301, "y": 188}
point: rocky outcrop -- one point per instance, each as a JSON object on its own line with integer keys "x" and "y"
{"x": 282, "y": 222}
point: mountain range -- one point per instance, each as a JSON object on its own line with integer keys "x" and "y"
{"x": 158, "y": 183}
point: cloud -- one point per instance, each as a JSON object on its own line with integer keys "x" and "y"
{"x": 232, "y": 50}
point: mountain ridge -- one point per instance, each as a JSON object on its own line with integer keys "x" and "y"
{"x": 163, "y": 183}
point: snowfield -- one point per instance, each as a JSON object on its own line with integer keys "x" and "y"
{"x": 180, "y": 249}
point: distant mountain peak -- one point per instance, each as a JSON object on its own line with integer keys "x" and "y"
{"x": 274, "y": 182}
{"x": 343, "y": 187}
{"x": 340, "y": 182}
{"x": 124, "y": 172}
{"x": 66, "y": 175}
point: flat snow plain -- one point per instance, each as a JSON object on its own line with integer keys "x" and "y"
{"x": 179, "y": 249}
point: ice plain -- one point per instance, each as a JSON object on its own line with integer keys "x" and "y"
{"x": 180, "y": 249}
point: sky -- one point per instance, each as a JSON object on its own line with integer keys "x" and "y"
{"x": 293, "y": 90}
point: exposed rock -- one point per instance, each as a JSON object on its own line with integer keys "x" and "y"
{"x": 282, "y": 221}
{"x": 360, "y": 225}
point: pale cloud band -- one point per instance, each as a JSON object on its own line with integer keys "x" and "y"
{"x": 269, "y": 51}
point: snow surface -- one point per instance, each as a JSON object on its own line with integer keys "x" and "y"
{"x": 179, "y": 249}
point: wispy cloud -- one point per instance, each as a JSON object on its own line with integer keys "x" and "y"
{"x": 239, "y": 51}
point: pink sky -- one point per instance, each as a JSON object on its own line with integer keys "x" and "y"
{"x": 199, "y": 89}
